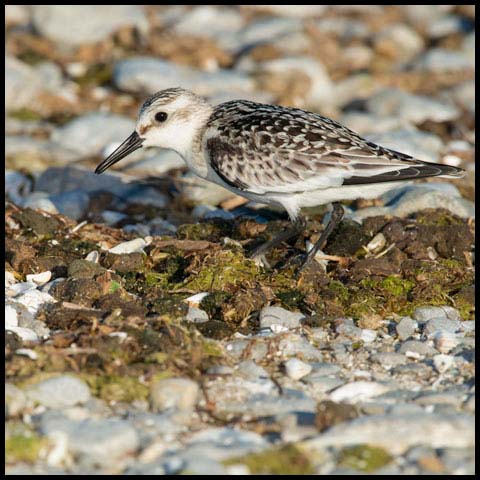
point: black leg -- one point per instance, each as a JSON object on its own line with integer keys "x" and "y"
{"x": 297, "y": 227}
{"x": 336, "y": 218}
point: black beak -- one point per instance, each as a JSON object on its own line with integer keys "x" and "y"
{"x": 132, "y": 143}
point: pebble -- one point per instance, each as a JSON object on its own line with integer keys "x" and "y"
{"x": 445, "y": 341}
{"x": 321, "y": 384}
{"x": 40, "y": 278}
{"x": 224, "y": 442}
{"x": 423, "y": 314}
{"x": 439, "y": 60}
{"x": 296, "y": 369}
{"x": 278, "y": 316}
{"x": 176, "y": 393}
{"x": 441, "y": 323}
{"x": 414, "y": 109}
{"x": 358, "y": 391}
{"x": 147, "y": 74}
{"x": 321, "y": 87}
{"x": 17, "y": 186}
{"x": 437, "y": 431}
{"x": 22, "y": 85}
{"x": 59, "y": 392}
{"x": 104, "y": 443}
{"x": 93, "y": 23}
{"x": 417, "y": 347}
{"x": 73, "y": 204}
{"x": 389, "y": 359}
{"x": 15, "y": 400}
{"x": 418, "y": 144}
{"x": 403, "y": 41}
{"x": 196, "y": 315}
{"x": 88, "y": 134}
{"x": 131, "y": 246}
{"x": 406, "y": 327}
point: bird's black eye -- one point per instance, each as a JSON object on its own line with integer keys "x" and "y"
{"x": 160, "y": 116}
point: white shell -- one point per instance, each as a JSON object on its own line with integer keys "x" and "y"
{"x": 40, "y": 278}
{"x": 377, "y": 243}
{"x": 135, "y": 245}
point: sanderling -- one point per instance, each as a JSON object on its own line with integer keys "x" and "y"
{"x": 273, "y": 155}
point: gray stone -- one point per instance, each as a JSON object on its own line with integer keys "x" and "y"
{"x": 289, "y": 11}
{"x": 278, "y": 316}
{"x": 415, "y": 346}
{"x": 320, "y": 384}
{"x": 406, "y": 328}
{"x": 201, "y": 192}
{"x": 441, "y": 323}
{"x": 15, "y": 400}
{"x": 324, "y": 368}
{"x": 146, "y": 74}
{"x": 345, "y": 28}
{"x": 296, "y": 369}
{"x": 65, "y": 179}
{"x": 176, "y": 393}
{"x": 443, "y": 60}
{"x": 410, "y": 108}
{"x": 418, "y": 144}
{"x": 36, "y": 154}
{"x": 59, "y": 392}
{"x": 90, "y": 133}
{"x": 197, "y": 315}
{"x": 22, "y": 84}
{"x": 145, "y": 195}
{"x": 73, "y": 204}
{"x": 75, "y": 25}
{"x": 157, "y": 162}
{"x": 211, "y": 21}
{"x": 446, "y": 25}
{"x": 437, "y": 431}
{"x": 17, "y": 186}
{"x": 365, "y": 123}
{"x": 423, "y": 314}
{"x": 39, "y": 201}
{"x": 454, "y": 397}
{"x": 107, "y": 443}
{"x": 421, "y": 199}
{"x": 389, "y": 359}
{"x": 222, "y": 443}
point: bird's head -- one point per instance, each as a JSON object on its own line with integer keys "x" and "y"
{"x": 170, "y": 119}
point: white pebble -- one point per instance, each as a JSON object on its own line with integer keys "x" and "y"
{"x": 40, "y": 278}
{"x": 26, "y": 334}
{"x": 11, "y": 317}
{"x": 27, "y": 352}
{"x": 135, "y": 245}
{"x": 368, "y": 335}
{"x": 358, "y": 391}
{"x": 445, "y": 341}
{"x": 34, "y": 299}
{"x": 9, "y": 279}
{"x": 442, "y": 362}
{"x": 195, "y": 300}
{"x": 296, "y": 369}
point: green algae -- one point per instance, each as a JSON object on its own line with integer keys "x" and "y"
{"x": 365, "y": 458}
{"x": 286, "y": 460}
{"x": 116, "y": 388}
{"x": 226, "y": 268}
{"x": 22, "y": 444}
